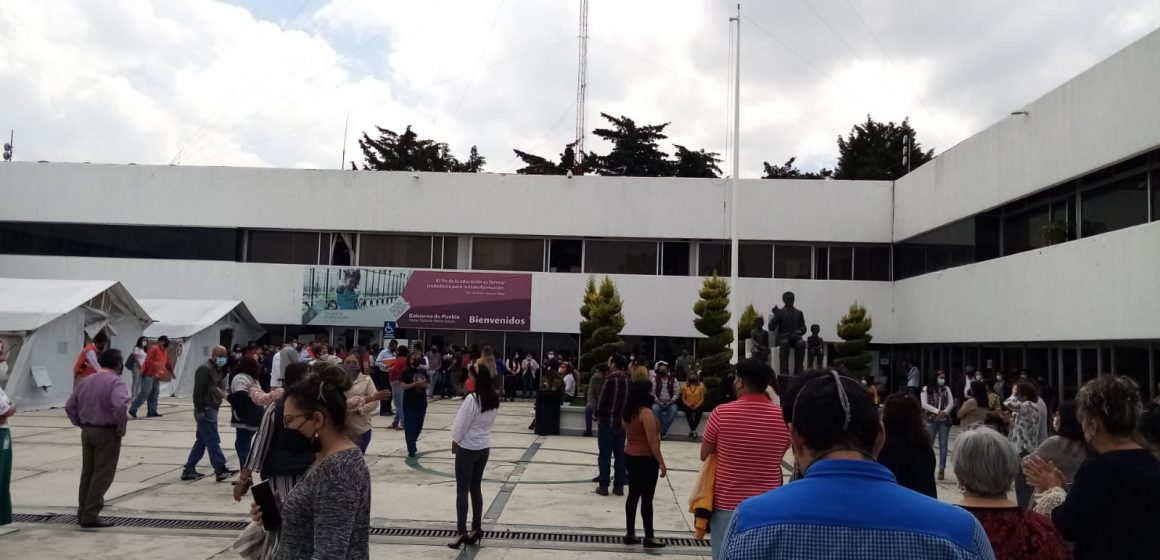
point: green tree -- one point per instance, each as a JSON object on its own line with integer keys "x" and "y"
{"x": 790, "y": 171}
{"x": 635, "y": 150}
{"x": 873, "y": 150}
{"x": 746, "y": 322}
{"x": 689, "y": 163}
{"x": 392, "y": 151}
{"x": 854, "y": 330}
{"x": 536, "y": 165}
{"x": 602, "y": 321}
{"x": 712, "y": 320}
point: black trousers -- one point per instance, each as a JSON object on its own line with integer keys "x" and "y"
{"x": 469, "y": 467}
{"x": 382, "y": 381}
{"x": 643, "y": 473}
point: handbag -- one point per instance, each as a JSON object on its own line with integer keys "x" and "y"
{"x": 255, "y": 543}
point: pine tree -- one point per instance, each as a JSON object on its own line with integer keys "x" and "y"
{"x": 635, "y": 150}
{"x": 790, "y": 171}
{"x": 392, "y": 151}
{"x": 873, "y": 150}
{"x": 699, "y": 163}
{"x": 536, "y": 165}
{"x": 601, "y": 324}
{"x": 854, "y": 330}
{"x": 746, "y": 323}
{"x": 712, "y": 320}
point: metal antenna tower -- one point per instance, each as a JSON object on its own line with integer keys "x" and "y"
{"x": 581, "y": 88}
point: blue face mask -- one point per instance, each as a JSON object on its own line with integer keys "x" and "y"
{"x": 220, "y": 361}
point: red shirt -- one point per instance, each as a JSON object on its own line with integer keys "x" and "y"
{"x": 156, "y": 361}
{"x": 397, "y": 368}
{"x": 751, "y": 439}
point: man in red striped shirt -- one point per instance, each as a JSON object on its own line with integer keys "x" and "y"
{"x": 750, "y": 438}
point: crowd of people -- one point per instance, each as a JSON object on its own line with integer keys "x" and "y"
{"x": 1037, "y": 481}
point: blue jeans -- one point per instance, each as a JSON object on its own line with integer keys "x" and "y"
{"x": 243, "y": 441}
{"x": 149, "y": 390}
{"x": 611, "y": 443}
{"x": 397, "y": 397}
{"x": 718, "y": 525}
{"x": 207, "y": 439}
{"x": 666, "y": 415}
{"x": 413, "y": 415}
{"x": 588, "y": 419}
{"x": 943, "y": 429}
{"x": 364, "y": 441}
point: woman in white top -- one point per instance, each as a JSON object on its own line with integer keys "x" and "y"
{"x": 471, "y": 443}
{"x": 7, "y": 409}
{"x": 938, "y": 401}
{"x": 569, "y": 375}
{"x": 136, "y": 361}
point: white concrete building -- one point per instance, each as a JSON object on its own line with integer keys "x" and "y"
{"x": 1034, "y": 244}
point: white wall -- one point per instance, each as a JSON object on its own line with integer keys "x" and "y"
{"x": 1099, "y": 288}
{"x": 654, "y": 305}
{"x": 55, "y": 347}
{"x": 1106, "y": 114}
{"x": 467, "y": 203}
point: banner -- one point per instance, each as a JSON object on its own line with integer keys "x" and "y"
{"x": 427, "y": 299}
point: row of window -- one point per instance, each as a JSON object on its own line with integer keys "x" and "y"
{"x": 1115, "y": 197}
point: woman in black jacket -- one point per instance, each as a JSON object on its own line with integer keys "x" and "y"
{"x": 907, "y": 452}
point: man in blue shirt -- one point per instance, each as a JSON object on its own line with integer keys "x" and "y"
{"x": 847, "y": 505}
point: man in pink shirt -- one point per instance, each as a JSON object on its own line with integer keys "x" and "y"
{"x": 749, "y": 437}
{"x": 99, "y": 406}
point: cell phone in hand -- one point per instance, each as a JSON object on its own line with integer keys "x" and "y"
{"x": 266, "y": 499}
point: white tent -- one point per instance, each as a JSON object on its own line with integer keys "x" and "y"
{"x": 44, "y": 325}
{"x": 194, "y": 327}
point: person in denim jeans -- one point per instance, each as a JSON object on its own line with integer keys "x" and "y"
{"x": 207, "y": 398}
{"x": 665, "y": 391}
{"x": 610, "y": 437}
{"x": 157, "y": 365}
{"x": 595, "y": 385}
{"x": 937, "y": 400}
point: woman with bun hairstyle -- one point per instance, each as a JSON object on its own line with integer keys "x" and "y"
{"x": 327, "y": 515}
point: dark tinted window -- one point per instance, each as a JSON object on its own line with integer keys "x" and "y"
{"x": 841, "y": 263}
{"x": 285, "y": 247}
{"x": 675, "y": 258}
{"x": 96, "y": 240}
{"x": 872, "y": 263}
{"x": 822, "y": 257}
{"x": 450, "y": 253}
{"x": 507, "y": 253}
{"x": 1156, "y": 195}
{"x": 755, "y": 260}
{"x": 713, "y": 259}
{"x": 620, "y": 257}
{"x": 564, "y": 255}
{"x": 1118, "y": 205}
{"x": 1026, "y": 230}
{"x": 792, "y": 261}
{"x": 405, "y": 251}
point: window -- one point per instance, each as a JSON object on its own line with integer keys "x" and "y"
{"x": 450, "y": 252}
{"x": 822, "y": 257}
{"x": 620, "y": 257}
{"x": 755, "y": 260}
{"x": 675, "y": 258}
{"x": 564, "y": 255}
{"x": 342, "y": 248}
{"x": 405, "y": 251}
{"x": 140, "y": 242}
{"x": 872, "y": 263}
{"x": 792, "y": 261}
{"x": 284, "y": 247}
{"x": 1026, "y": 230}
{"x": 507, "y": 253}
{"x": 1120, "y": 204}
{"x": 1156, "y": 194}
{"x": 713, "y": 258}
{"x": 841, "y": 263}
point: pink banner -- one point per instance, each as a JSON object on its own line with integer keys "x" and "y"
{"x": 468, "y": 300}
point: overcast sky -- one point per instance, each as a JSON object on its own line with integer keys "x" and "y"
{"x": 271, "y": 82}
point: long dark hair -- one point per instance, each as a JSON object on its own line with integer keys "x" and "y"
{"x": 639, "y": 397}
{"x": 485, "y": 389}
{"x": 1069, "y": 426}
{"x": 903, "y": 415}
{"x": 979, "y": 393}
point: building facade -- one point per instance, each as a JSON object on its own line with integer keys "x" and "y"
{"x": 1034, "y": 244}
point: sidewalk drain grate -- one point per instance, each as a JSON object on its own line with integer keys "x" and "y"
{"x": 228, "y": 525}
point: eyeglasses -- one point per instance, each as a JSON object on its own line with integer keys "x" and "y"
{"x": 287, "y": 419}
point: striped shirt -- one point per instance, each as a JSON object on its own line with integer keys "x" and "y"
{"x": 751, "y": 439}
{"x": 613, "y": 394}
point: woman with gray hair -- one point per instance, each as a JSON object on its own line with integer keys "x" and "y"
{"x": 985, "y": 464}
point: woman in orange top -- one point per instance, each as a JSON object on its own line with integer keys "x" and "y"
{"x": 642, "y": 456}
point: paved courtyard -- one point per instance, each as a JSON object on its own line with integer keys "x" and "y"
{"x": 538, "y": 496}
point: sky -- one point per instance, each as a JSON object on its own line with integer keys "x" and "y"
{"x": 292, "y": 83}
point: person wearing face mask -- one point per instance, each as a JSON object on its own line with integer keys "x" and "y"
{"x": 414, "y": 385}
{"x": 1112, "y": 508}
{"x": 327, "y": 514}
{"x": 245, "y": 414}
{"x": 156, "y": 369}
{"x": 207, "y": 399}
{"x": 362, "y": 401}
{"x": 836, "y": 510}
{"x": 938, "y": 401}
{"x": 693, "y": 403}
{"x": 1023, "y": 403}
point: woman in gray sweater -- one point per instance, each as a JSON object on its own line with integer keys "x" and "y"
{"x": 327, "y": 515}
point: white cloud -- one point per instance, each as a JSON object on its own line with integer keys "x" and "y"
{"x": 139, "y": 81}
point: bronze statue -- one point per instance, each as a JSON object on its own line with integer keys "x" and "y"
{"x": 759, "y": 338}
{"x": 790, "y": 324}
